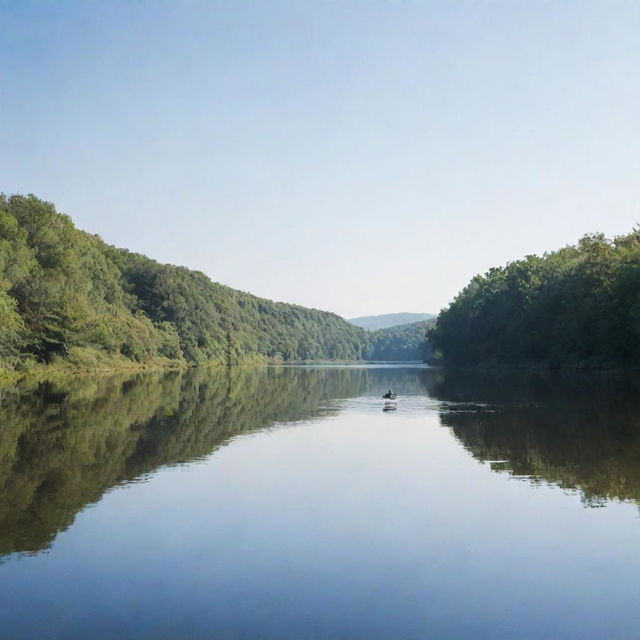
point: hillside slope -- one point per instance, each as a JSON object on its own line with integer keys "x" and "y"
{"x": 65, "y": 295}
{"x": 387, "y": 320}
{"x": 406, "y": 342}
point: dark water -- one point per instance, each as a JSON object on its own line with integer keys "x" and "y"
{"x": 285, "y": 503}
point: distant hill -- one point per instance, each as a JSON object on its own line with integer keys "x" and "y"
{"x": 405, "y": 342}
{"x": 373, "y": 323}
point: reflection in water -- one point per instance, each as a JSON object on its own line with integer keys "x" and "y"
{"x": 361, "y": 524}
{"x": 62, "y": 444}
{"x": 579, "y": 431}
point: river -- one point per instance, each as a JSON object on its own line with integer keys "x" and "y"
{"x": 285, "y": 502}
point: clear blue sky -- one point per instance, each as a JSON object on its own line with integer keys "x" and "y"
{"x": 356, "y": 156}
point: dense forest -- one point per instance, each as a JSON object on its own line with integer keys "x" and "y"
{"x": 402, "y": 343}
{"x": 578, "y": 306}
{"x": 68, "y": 297}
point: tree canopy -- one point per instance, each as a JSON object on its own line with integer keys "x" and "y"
{"x": 67, "y": 295}
{"x": 579, "y": 306}
{"x": 404, "y": 342}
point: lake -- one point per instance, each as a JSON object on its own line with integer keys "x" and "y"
{"x": 285, "y": 502}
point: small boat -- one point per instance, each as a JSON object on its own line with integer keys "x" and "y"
{"x": 389, "y": 395}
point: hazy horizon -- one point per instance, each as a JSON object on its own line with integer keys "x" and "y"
{"x": 361, "y": 158}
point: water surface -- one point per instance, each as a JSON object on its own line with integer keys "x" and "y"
{"x": 285, "y": 503}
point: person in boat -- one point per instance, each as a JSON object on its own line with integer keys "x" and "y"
{"x": 389, "y": 394}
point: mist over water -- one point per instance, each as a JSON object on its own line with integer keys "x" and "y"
{"x": 283, "y": 502}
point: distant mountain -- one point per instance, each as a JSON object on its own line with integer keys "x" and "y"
{"x": 373, "y": 323}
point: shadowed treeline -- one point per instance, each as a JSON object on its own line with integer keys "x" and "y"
{"x": 577, "y": 431}
{"x": 575, "y": 307}
{"x": 405, "y": 342}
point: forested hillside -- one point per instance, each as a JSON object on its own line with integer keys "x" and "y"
{"x": 402, "y": 343}
{"x": 388, "y": 320}
{"x": 66, "y": 296}
{"x": 579, "y": 306}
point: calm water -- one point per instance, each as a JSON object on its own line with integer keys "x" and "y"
{"x": 285, "y": 503}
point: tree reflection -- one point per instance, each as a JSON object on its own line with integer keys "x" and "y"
{"x": 63, "y": 443}
{"x": 578, "y": 431}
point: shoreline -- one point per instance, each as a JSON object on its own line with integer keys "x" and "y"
{"x": 115, "y": 365}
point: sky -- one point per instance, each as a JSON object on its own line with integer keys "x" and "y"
{"x": 358, "y": 156}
